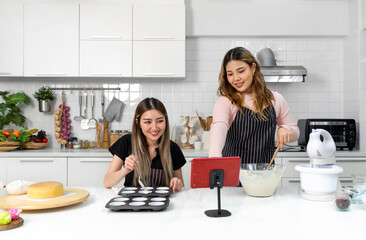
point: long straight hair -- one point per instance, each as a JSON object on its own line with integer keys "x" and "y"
{"x": 140, "y": 147}
{"x": 262, "y": 96}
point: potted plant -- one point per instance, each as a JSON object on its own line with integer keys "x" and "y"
{"x": 10, "y": 109}
{"x": 45, "y": 96}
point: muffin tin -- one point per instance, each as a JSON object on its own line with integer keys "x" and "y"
{"x": 147, "y": 192}
{"x": 138, "y": 203}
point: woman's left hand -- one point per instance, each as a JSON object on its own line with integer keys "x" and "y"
{"x": 283, "y": 136}
{"x": 176, "y": 184}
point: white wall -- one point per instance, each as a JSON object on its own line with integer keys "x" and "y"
{"x": 320, "y": 96}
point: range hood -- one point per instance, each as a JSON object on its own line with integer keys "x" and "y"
{"x": 274, "y": 73}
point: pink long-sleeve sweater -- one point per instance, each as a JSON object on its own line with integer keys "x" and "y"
{"x": 224, "y": 113}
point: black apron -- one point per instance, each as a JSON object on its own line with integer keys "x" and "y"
{"x": 250, "y": 138}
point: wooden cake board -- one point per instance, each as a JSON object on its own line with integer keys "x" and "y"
{"x": 12, "y": 201}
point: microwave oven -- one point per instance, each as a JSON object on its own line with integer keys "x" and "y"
{"x": 343, "y": 131}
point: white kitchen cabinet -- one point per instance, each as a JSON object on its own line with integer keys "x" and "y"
{"x": 105, "y": 21}
{"x": 51, "y": 39}
{"x": 3, "y": 171}
{"x": 158, "y": 22}
{"x": 106, "y": 40}
{"x": 106, "y": 58}
{"x": 11, "y": 39}
{"x": 186, "y": 172}
{"x": 87, "y": 172}
{"x": 350, "y": 165}
{"x": 159, "y": 59}
{"x": 37, "y": 169}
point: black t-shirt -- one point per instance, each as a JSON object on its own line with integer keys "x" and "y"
{"x": 123, "y": 148}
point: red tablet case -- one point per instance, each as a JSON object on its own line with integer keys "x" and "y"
{"x": 201, "y": 168}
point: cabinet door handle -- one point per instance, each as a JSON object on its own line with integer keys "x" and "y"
{"x": 30, "y": 160}
{"x": 157, "y": 37}
{"x": 350, "y": 161}
{"x": 345, "y": 180}
{"x": 104, "y": 74}
{"x": 293, "y": 181}
{"x": 105, "y": 37}
{"x": 95, "y": 161}
{"x": 5, "y": 73}
{"x": 51, "y": 74}
{"x": 159, "y": 74}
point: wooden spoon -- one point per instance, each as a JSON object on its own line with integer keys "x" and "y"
{"x": 274, "y": 155}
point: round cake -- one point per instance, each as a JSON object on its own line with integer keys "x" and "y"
{"x": 44, "y": 190}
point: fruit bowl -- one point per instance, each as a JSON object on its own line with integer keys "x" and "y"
{"x": 34, "y": 145}
{"x": 9, "y": 144}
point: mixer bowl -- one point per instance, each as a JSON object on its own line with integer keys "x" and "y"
{"x": 318, "y": 179}
{"x": 259, "y": 182}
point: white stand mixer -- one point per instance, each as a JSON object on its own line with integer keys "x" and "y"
{"x": 319, "y": 179}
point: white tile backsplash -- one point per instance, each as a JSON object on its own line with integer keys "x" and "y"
{"x": 320, "y": 96}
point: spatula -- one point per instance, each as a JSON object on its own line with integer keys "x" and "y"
{"x": 274, "y": 155}
{"x": 139, "y": 180}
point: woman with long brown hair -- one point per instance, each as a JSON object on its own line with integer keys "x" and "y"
{"x": 247, "y": 114}
{"x": 148, "y": 150}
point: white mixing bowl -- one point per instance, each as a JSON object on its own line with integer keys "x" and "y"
{"x": 318, "y": 179}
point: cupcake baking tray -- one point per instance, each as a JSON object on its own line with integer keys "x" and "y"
{"x": 145, "y": 192}
{"x": 138, "y": 203}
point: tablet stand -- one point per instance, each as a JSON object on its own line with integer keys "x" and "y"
{"x": 217, "y": 180}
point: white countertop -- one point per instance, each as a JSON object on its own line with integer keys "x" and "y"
{"x": 98, "y": 152}
{"x": 282, "y": 216}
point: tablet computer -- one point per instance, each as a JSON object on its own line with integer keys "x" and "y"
{"x": 201, "y": 168}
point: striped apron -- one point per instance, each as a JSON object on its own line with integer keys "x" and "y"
{"x": 250, "y": 138}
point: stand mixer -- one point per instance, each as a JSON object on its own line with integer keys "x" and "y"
{"x": 319, "y": 179}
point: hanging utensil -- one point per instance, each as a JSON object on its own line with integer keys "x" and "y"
{"x": 92, "y": 122}
{"x": 80, "y": 117}
{"x": 85, "y": 121}
{"x": 274, "y": 155}
{"x": 101, "y": 119}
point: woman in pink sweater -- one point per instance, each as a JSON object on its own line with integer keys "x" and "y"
{"x": 247, "y": 114}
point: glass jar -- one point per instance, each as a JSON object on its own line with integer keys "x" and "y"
{"x": 114, "y": 136}
{"x": 76, "y": 144}
{"x": 85, "y": 144}
{"x": 70, "y": 144}
{"x": 91, "y": 144}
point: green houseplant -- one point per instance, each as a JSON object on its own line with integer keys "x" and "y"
{"x": 45, "y": 96}
{"x": 10, "y": 109}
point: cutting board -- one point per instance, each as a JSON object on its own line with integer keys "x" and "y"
{"x": 13, "y": 224}
{"x": 11, "y": 201}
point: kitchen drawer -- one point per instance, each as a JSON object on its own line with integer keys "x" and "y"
{"x": 37, "y": 169}
{"x": 295, "y": 182}
{"x": 290, "y": 182}
{"x": 351, "y": 165}
{"x": 87, "y": 172}
{"x": 290, "y": 164}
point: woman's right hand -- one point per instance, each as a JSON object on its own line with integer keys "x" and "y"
{"x": 131, "y": 163}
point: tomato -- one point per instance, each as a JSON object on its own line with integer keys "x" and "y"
{"x": 45, "y": 140}
{"x": 6, "y": 133}
{"x": 16, "y": 133}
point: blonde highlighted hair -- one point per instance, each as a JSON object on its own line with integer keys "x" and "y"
{"x": 140, "y": 147}
{"x": 262, "y": 96}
